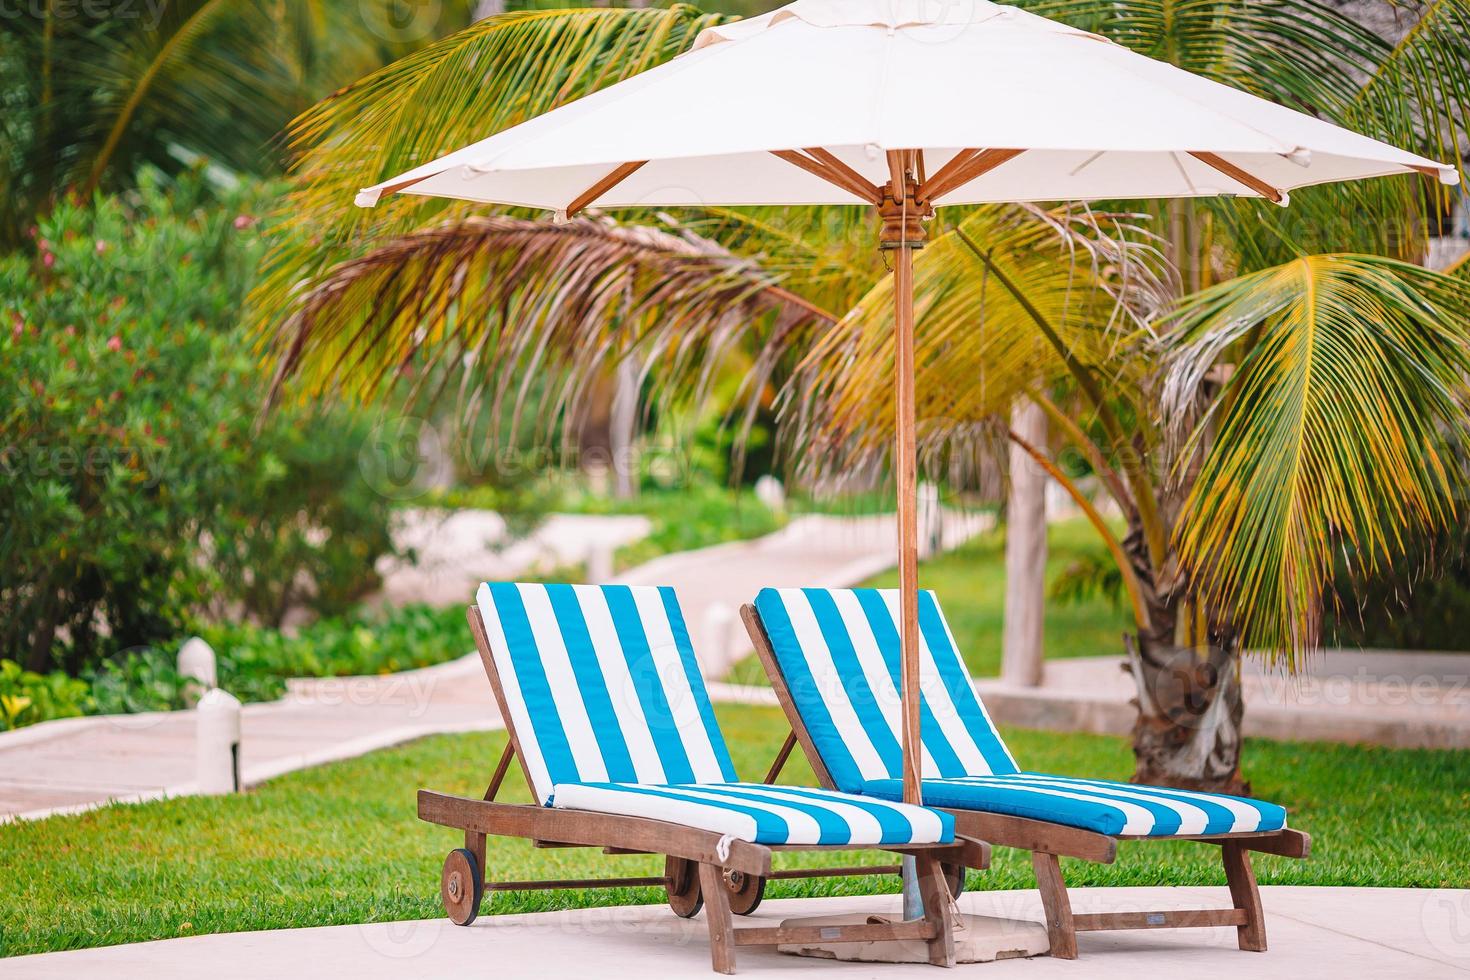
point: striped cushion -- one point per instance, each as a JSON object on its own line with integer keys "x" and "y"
{"x": 838, "y": 651}
{"x": 602, "y": 685}
{"x": 1096, "y": 804}
{"x": 766, "y": 814}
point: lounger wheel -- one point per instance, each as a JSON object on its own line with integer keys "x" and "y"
{"x": 461, "y": 887}
{"x": 683, "y": 887}
{"x": 954, "y": 877}
{"x": 746, "y": 891}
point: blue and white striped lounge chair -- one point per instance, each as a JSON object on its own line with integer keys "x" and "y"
{"x": 833, "y": 658}
{"x": 613, "y": 727}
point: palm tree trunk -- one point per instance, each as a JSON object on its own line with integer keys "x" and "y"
{"x": 1190, "y": 710}
{"x": 1021, "y": 636}
{"x": 623, "y": 430}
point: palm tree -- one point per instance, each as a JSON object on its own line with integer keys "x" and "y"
{"x": 1258, "y": 391}
{"x": 92, "y": 90}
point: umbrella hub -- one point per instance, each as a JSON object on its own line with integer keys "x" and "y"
{"x": 903, "y": 213}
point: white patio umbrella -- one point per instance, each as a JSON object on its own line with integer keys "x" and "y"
{"x": 904, "y": 105}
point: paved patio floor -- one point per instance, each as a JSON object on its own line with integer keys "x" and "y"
{"x": 1313, "y": 932}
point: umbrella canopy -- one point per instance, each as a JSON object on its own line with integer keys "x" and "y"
{"x": 857, "y": 78}
{"x": 904, "y": 105}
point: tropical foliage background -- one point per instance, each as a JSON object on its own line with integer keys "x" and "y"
{"x": 140, "y": 494}
{"x": 1272, "y": 399}
{"x": 1262, "y": 411}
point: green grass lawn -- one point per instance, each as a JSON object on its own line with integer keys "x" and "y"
{"x": 971, "y": 581}
{"x": 340, "y": 844}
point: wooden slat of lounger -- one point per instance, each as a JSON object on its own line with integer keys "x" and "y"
{"x": 549, "y": 884}
{"x": 876, "y": 932}
{"x": 1170, "y": 919}
{"x": 590, "y": 829}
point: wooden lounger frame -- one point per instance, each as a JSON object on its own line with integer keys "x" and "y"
{"x": 695, "y": 869}
{"x": 1048, "y": 842}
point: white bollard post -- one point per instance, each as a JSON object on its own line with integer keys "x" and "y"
{"x": 930, "y": 521}
{"x": 599, "y": 562}
{"x": 719, "y": 620}
{"x": 218, "y": 743}
{"x": 769, "y": 491}
{"x": 197, "y": 664}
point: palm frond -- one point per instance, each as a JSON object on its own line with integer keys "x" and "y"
{"x": 1417, "y": 94}
{"x": 1327, "y": 62}
{"x": 1336, "y": 432}
{"x": 826, "y": 254}
{"x": 463, "y": 88}
{"x": 500, "y": 303}
{"x": 92, "y": 92}
{"x": 140, "y": 58}
{"x": 1301, "y": 53}
{"x": 1094, "y": 277}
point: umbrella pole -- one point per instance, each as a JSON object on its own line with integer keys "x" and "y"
{"x": 906, "y": 471}
{"x": 902, "y": 233}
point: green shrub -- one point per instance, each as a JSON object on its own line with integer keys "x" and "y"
{"x": 365, "y": 642}
{"x": 254, "y": 662}
{"x": 27, "y": 697}
{"x": 301, "y": 525}
{"x": 135, "y": 681}
{"x": 136, "y": 488}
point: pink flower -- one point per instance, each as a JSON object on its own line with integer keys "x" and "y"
{"x": 114, "y": 343}
{"x": 101, "y": 246}
{"x": 243, "y": 221}
{"x": 48, "y": 260}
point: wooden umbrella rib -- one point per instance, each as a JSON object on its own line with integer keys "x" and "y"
{"x": 837, "y": 178}
{"x": 1238, "y": 175}
{"x": 813, "y": 167}
{"x": 615, "y": 177}
{"x": 942, "y": 175}
{"x": 973, "y": 168}
{"x": 394, "y": 188}
{"x": 855, "y": 178}
{"x": 897, "y": 164}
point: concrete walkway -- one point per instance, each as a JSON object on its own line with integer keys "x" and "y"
{"x": 78, "y": 763}
{"x": 1394, "y": 698}
{"x": 815, "y": 551}
{"x": 454, "y": 551}
{"x": 1313, "y": 932}
{"x": 75, "y": 764}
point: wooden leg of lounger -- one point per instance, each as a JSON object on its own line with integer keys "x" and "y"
{"x": 475, "y": 844}
{"x": 1245, "y": 895}
{"x": 938, "y": 910}
{"x": 717, "y": 913}
{"x": 1059, "y": 928}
